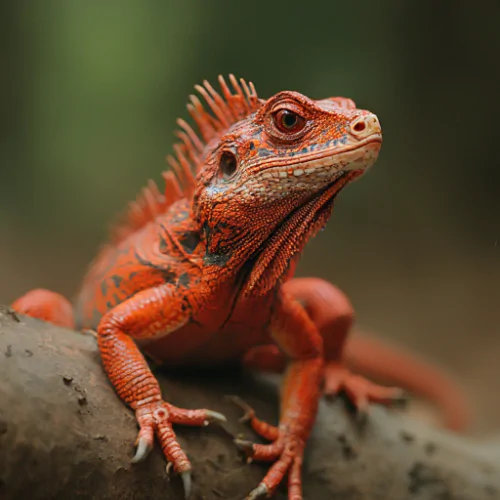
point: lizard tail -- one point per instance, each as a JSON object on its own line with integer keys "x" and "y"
{"x": 394, "y": 365}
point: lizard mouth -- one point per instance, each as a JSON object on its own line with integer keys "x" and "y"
{"x": 357, "y": 157}
{"x": 331, "y": 159}
{"x": 366, "y": 150}
{"x": 315, "y": 171}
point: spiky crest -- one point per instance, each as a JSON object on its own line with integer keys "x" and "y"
{"x": 223, "y": 111}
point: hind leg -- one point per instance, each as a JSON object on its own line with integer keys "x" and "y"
{"x": 333, "y": 315}
{"x": 47, "y": 306}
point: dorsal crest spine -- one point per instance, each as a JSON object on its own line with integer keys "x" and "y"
{"x": 223, "y": 111}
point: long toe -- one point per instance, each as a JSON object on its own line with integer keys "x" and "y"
{"x": 260, "y": 427}
{"x": 295, "y": 480}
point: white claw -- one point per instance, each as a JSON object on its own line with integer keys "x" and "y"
{"x": 143, "y": 449}
{"x": 186, "y": 481}
{"x": 244, "y": 445}
{"x": 214, "y": 416}
{"x": 260, "y": 491}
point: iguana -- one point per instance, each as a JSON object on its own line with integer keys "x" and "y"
{"x": 201, "y": 273}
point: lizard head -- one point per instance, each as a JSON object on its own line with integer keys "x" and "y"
{"x": 268, "y": 180}
{"x": 289, "y": 150}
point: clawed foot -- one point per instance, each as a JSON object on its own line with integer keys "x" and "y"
{"x": 286, "y": 451}
{"x": 286, "y": 448}
{"x": 157, "y": 418}
{"x": 359, "y": 390}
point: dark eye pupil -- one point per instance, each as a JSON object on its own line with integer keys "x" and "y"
{"x": 289, "y": 119}
{"x": 227, "y": 164}
{"x": 288, "y": 122}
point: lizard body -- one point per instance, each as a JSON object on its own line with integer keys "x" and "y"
{"x": 202, "y": 273}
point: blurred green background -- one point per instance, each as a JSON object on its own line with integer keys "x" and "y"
{"x": 89, "y": 96}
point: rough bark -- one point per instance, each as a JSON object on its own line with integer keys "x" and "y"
{"x": 64, "y": 434}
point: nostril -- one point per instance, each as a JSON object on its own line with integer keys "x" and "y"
{"x": 360, "y": 126}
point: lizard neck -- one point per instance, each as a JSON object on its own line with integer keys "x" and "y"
{"x": 261, "y": 254}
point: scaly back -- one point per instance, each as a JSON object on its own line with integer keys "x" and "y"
{"x": 223, "y": 111}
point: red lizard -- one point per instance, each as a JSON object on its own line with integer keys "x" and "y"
{"x": 202, "y": 273}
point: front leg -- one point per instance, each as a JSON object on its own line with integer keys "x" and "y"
{"x": 297, "y": 337}
{"x": 332, "y": 314}
{"x": 145, "y": 315}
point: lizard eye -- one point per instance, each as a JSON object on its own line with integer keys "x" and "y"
{"x": 227, "y": 164}
{"x": 288, "y": 121}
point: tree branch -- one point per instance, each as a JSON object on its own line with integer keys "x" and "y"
{"x": 65, "y": 434}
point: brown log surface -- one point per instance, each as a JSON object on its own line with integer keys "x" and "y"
{"x": 64, "y": 434}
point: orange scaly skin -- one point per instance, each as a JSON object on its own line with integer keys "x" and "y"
{"x": 201, "y": 274}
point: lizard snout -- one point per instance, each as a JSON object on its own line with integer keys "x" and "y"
{"x": 365, "y": 126}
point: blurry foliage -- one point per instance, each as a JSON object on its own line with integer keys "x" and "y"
{"x": 90, "y": 91}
